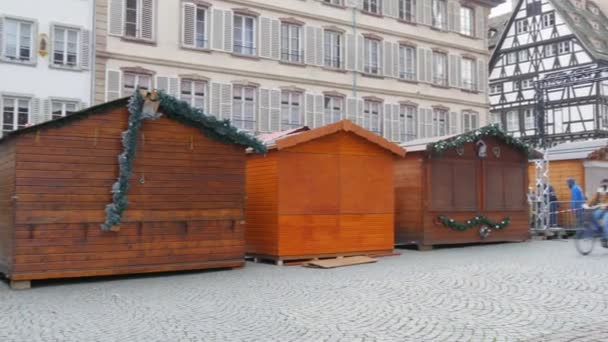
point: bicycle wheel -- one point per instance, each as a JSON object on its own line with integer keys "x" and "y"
{"x": 584, "y": 240}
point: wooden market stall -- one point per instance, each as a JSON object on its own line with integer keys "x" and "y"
{"x": 321, "y": 192}
{"x": 462, "y": 189}
{"x": 63, "y": 209}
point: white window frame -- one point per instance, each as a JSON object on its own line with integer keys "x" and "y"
{"x": 139, "y": 14}
{"x": 441, "y": 122}
{"x": 439, "y": 13}
{"x": 495, "y": 117}
{"x": 470, "y": 121}
{"x": 372, "y": 116}
{"x": 467, "y": 73}
{"x": 467, "y": 21}
{"x": 372, "y": 6}
{"x": 496, "y": 88}
{"x": 189, "y": 85}
{"x": 241, "y": 104}
{"x": 529, "y": 122}
{"x": 523, "y": 55}
{"x": 511, "y": 58}
{"x": 333, "y": 43}
{"x": 334, "y": 2}
{"x": 291, "y": 45}
{"x": 512, "y": 118}
{"x": 550, "y": 50}
{"x": 137, "y": 78}
{"x": 54, "y": 45}
{"x": 205, "y": 21}
{"x": 522, "y": 26}
{"x": 245, "y": 48}
{"x": 407, "y": 65}
{"x": 440, "y": 68}
{"x": 548, "y": 20}
{"x": 407, "y": 10}
{"x": 18, "y": 43}
{"x": 372, "y": 56}
{"x": 16, "y": 99}
{"x": 63, "y": 104}
{"x": 564, "y": 47}
{"x": 333, "y": 108}
{"x": 408, "y": 123}
{"x": 291, "y": 109}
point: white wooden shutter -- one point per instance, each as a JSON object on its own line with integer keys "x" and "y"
{"x": 275, "y": 110}
{"x": 453, "y": 123}
{"x": 174, "y": 86}
{"x": 148, "y": 20}
{"x": 388, "y": 59}
{"x": 452, "y": 68}
{"x": 265, "y": 35}
{"x": 162, "y": 83}
{"x": 264, "y": 125}
{"x": 215, "y": 107}
{"x": 428, "y": 12}
{"x": 351, "y": 52}
{"x": 217, "y": 41}
{"x": 319, "y": 111}
{"x": 228, "y": 18}
{"x": 456, "y": 16}
{"x": 85, "y": 49}
{"x": 319, "y": 46}
{"x": 429, "y": 65}
{"x": 188, "y": 24}
{"x": 116, "y": 17}
{"x": 420, "y": 11}
{"x": 1, "y": 35}
{"x": 482, "y": 75}
{"x": 390, "y": 8}
{"x": 480, "y": 27}
{"x": 113, "y": 85}
{"x": 309, "y": 117}
{"x": 351, "y": 109}
{"x": 226, "y": 101}
{"x": 360, "y": 120}
{"x": 310, "y": 45}
{"x": 395, "y": 123}
{"x": 387, "y": 120}
{"x": 421, "y": 65}
{"x": 396, "y": 60}
{"x": 360, "y": 56}
{"x": 275, "y": 45}
{"x": 35, "y": 115}
{"x": 451, "y": 15}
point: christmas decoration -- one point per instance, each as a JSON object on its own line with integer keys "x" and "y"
{"x": 492, "y": 130}
{"x": 476, "y": 221}
{"x": 484, "y": 232}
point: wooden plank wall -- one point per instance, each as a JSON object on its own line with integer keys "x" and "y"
{"x": 7, "y": 191}
{"x": 186, "y": 201}
{"x": 409, "y": 188}
{"x": 261, "y": 234}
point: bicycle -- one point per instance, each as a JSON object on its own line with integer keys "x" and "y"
{"x": 587, "y": 236}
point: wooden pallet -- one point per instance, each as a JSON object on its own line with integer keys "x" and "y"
{"x": 300, "y": 260}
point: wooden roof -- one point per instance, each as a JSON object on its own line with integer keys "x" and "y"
{"x": 303, "y": 136}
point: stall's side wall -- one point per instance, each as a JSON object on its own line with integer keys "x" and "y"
{"x": 409, "y": 190}
{"x": 7, "y": 191}
{"x": 186, "y": 200}
{"x": 261, "y": 234}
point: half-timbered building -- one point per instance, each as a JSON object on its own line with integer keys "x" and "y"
{"x": 547, "y": 39}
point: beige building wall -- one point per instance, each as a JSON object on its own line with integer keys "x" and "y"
{"x": 164, "y": 57}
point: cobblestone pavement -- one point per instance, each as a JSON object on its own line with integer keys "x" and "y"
{"x": 533, "y": 291}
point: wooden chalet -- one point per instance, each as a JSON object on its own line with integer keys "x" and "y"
{"x": 321, "y": 192}
{"x": 466, "y": 188}
{"x": 186, "y": 191}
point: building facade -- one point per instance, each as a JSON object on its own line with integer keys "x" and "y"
{"x": 46, "y": 58}
{"x": 545, "y": 40}
{"x": 404, "y": 69}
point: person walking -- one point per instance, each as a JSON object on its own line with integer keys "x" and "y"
{"x": 577, "y": 199}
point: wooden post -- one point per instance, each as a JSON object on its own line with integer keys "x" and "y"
{"x": 20, "y": 284}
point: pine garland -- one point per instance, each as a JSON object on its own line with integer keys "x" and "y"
{"x": 475, "y": 221}
{"x": 491, "y": 130}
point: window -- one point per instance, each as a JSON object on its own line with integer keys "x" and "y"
{"x": 371, "y": 116}
{"x": 439, "y": 13}
{"x": 407, "y": 62}
{"x": 563, "y": 47}
{"x": 290, "y": 43}
{"x": 244, "y": 35}
{"x": 334, "y": 2}
{"x": 372, "y": 6}
{"x": 194, "y": 92}
{"x": 291, "y": 109}
{"x": 334, "y": 106}
{"x": 512, "y": 121}
{"x": 550, "y": 50}
{"x": 138, "y": 19}
{"x": 15, "y": 113}
{"x": 243, "y": 107}
{"x": 60, "y": 109}
{"x": 548, "y": 19}
{"x": 529, "y": 122}
{"x": 470, "y": 121}
{"x": 408, "y": 123}
{"x": 195, "y": 26}
{"x": 511, "y": 58}
{"x": 372, "y": 56}
{"x": 527, "y": 83}
{"x": 440, "y": 68}
{"x": 407, "y": 10}
{"x": 496, "y": 88}
{"x": 516, "y": 85}
{"x": 495, "y": 117}
{"x": 333, "y": 49}
{"x": 522, "y": 26}
{"x": 466, "y": 21}
{"x": 132, "y": 80}
{"x": 19, "y": 41}
{"x": 65, "y": 46}
{"x": 468, "y": 74}
{"x": 522, "y": 55}
{"x": 440, "y": 122}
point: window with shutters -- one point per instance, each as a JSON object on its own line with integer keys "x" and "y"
{"x": 440, "y": 68}
{"x": 440, "y": 122}
{"x": 65, "y": 46}
{"x": 131, "y": 80}
{"x": 512, "y": 121}
{"x": 244, "y": 107}
{"x": 291, "y": 109}
{"x": 244, "y": 35}
{"x": 372, "y": 116}
{"x": 407, "y": 62}
{"x": 15, "y": 113}
{"x": 60, "y": 108}
{"x": 291, "y": 43}
{"x": 470, "y": 121}
{"x": 372, "y": 6}
{"x": 467, "y": 21}
{"x": 372, "y": 56}
{"x": 467, "y": 74}
{"x": 334, "y": 108}
{"x": 439, "y": 14}
{"x": 194, "y": 92}
{"x": 408, "y": 123}
{"x": 333, "y": 49}
{"x": 529, "y": 122}
{"x": 548, "y": 19}
{"x": 407, "y": 10}
{"x": 18, "y": 40}
{"x": 194, "y": 30}
{"x": 138, "y": 19}
{"x": 522, "y": 26}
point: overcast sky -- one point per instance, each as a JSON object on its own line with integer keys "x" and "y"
{"x": 501, "y": 9}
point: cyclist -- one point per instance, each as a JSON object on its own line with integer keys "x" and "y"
{"x": 600, "y": 215}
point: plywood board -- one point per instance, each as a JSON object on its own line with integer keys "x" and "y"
{"x": 340, "y": 262}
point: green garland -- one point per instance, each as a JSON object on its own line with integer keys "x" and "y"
{"x": 492, "y": 130}
{"x": 475, "y": 221}
{"x": 174, "y": 109}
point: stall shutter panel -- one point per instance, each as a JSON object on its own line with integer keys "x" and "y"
{"x": 421, "y": 65}
{"x": 275, "y": 45}
{"x": 360, "y": 57}
{"x": 147, "y": 19}
{"x": 162, "y": 83}
{"x": 228, "y": 31}
{"x": 420, "y": 11}
{"x": 351, "y": 109}
{"x": 188, "y": 24}
{"x": 275, "y": 110}
{"x": 360, "y": 120}
{"x": 480, "y": 27}
{"x": 428, "y": 12}
{"x": 264, "y": 110}
{"x": 218, "y": 29}
{"x": 494, "y": 187}
{"x": 85, "y": 49}
{"x": 351, "y": 53}
{"x": 453, "y": 123}
{"x": 215, "y": 100}
{"x": 319, "y": 45}
{"x": 515, "y": 194}
{"x": 482, "y": 76}
{"x": 265, "y": 37}
{"x": 174, "y": 86}
{"x": 310, "y": 45}
{"x": 112, "y": 85}
{"x": 388, "y": 59}
{"x": 441, "y": 184}
{"x": 310, "y": 110}
{"x": 319, "y": 112}
{"x": 464, "y": 189}
{"x": 387, "y": 119}
{"x": 116, "y": 12}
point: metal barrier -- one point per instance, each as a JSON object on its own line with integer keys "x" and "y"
{"x": 562, "y": 216}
